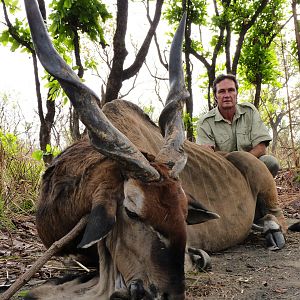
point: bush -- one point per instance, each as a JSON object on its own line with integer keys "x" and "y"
{"x": 19, "y": 181}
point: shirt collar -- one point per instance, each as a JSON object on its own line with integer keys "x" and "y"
{"x": 239, "y": 111}
{"x": 218, "y": 116}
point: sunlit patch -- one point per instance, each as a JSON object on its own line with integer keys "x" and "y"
{"x": 270, "y": 225}
{"x": 119, "y": 283}
{"x": 164, "y": 240}
{"x": 134, "y": 197}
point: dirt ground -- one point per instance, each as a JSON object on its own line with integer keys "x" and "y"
{"x": 248, "y": 271}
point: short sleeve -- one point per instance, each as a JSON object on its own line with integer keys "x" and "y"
{"x": 259, "y": 132}
{"x": 204, "y": 133}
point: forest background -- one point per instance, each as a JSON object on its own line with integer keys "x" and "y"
{"x": 120, "y": 49}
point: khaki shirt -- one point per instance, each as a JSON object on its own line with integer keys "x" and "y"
{"x": 245, "y": 132}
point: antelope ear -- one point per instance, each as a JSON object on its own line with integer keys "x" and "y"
{"x": 197, "y": 213}
{"x": 101, "y": 221}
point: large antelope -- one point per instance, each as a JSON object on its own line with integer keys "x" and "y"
{"x": 125, "y": 175}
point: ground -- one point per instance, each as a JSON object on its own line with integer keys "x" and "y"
{"x": 247, "y": 271}
{"x": 250, "y": 271}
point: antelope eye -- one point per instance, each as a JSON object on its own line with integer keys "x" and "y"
{"x": 132, "y": 215}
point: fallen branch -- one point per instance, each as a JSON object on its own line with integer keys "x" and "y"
{"x": 55, "y": 247}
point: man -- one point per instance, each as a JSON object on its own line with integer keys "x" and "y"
{"x": 231, "y": 126}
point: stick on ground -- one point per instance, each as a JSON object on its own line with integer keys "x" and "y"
{"x": 55, "y": 247}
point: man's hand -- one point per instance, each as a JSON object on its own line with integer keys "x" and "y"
{"x": 259, "y": 150}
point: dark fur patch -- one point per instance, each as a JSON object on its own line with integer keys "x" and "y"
{"x": 198, "y": 213}
{"x": 99, "y": 224}
{"x": 171, "y": 263}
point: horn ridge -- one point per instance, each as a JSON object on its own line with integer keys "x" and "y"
{"x": 104, "y": 136}
{"x": 170, "y": 120}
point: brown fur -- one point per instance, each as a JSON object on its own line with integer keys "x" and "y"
{"x": 81, "y": 179}
{"x": 227, "y": 184}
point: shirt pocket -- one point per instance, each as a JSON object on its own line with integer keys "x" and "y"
{"x": 243, "y": 141}
{"x": 224, "y": 142}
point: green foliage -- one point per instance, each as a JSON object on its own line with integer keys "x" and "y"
{"x": 21, "y": 32}
{"x": 22, "y": 294}
{"x": 54, "y": 88}
{"x": 39, "y": 154}
{"x": 5, "y": 222}
{"x": 9, "y": 143}
{"x": 91, "y": 64}
{"x": 259, "y": 61}
{"x": 12, "y": 5}
{"x": 258, "y": 58}
{"x": 148, "y": 109}
{"x": 187, "y": 121}
{"x": 71, "y": 16}
{"x": 241, "y": 12}
{"x": 197, "y": 12}
{"x": 19, "y": 35}
{"x": 19, "y": 181}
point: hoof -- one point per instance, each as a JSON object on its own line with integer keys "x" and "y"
{"x": 200, "y": 259}
{"x": 273, "y": 235}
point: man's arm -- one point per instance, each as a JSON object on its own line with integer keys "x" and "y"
{"x": 259, "y": 134}
{"x": 259, "y": 150}
{"x": 205, "y": 136}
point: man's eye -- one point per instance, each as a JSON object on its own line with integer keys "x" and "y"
{"x": 132, "y": 215}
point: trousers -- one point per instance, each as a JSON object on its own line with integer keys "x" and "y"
{"x": 271, "y": 162}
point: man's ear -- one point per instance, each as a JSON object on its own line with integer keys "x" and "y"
{"x": 197, "y": 213}
{"x": 216, "y": 101}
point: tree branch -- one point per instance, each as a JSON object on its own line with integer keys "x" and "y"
{"x": 164, "y": 63}
{"x": 114, "y": 82}
{"x": 55, "y": 247}
{"x": 245, "y": 27}
{"x": 142, "y": 53}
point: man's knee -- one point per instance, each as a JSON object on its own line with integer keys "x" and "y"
{"x": 271, "y": 162}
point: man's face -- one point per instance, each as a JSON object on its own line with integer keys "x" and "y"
{"x": 226, "y": 94}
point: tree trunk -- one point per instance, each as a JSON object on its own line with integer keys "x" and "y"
{"x": 189, "y": 103}
{"x": 296, "y": 26}
{"x": 74, "y": 117}
{"x": 46, "y": 122}
{"x": 274, "y": 140}
{"x": 118, "y": 74}
{"x": 114, "y": 82}
{"x": 258, "y": 90}
{"x": 211, "y": 77}
{"x": 295, "y": 159}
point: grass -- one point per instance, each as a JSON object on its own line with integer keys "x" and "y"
{"x": 19, "y": 181}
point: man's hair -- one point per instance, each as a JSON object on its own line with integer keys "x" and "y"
{"x": 221, "y": 77}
